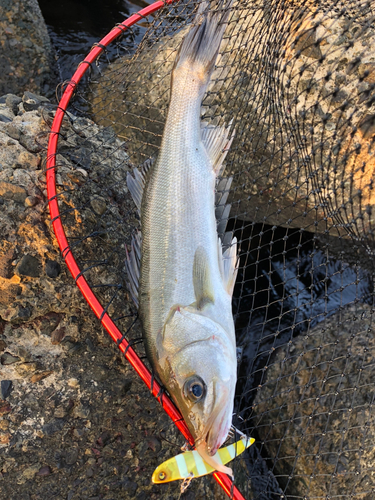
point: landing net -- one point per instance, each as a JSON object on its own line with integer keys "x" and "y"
{"x": 297, "y": 79}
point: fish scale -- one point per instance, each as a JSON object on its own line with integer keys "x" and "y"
{"x": 185, "y": 282}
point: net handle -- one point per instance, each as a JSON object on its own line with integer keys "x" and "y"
{"x": 223, "y": 480}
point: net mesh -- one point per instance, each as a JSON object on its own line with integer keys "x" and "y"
{"x": 297, "y": 79}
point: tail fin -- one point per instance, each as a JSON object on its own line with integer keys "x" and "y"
{"x": 201, "y": 45}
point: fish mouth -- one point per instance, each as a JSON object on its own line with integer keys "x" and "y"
{"x": 216, "y": 433}
{"x": 216, "y": 430}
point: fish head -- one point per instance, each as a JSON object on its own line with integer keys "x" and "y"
{"x": 200, "y": 374}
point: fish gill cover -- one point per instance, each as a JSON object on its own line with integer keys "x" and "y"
{"x": 298, "y": 81}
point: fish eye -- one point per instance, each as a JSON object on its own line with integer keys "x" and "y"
{"x": 195, "y": 389}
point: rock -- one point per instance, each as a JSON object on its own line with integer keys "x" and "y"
{"x": 44, "y": 471}
{"x": 30, "y": 201}
{"x": 40, "y": 376}
{"x": 99, "y": 206}
{"x": 5, "y": 388}
{"x": 58, "y": 335}
{"x": 18, "y": 313}
{"x": 316, "y": 401}
{"x": 5, "y": 438}
{"x": 28, "y": 473}
{"x": 81, "y": 411}
{"x": 52, "y": 268}
{"x": 154, "y": 444}
{"x": 3, "y": 345}
{"x": 29, "y": 266}
{"x": 367, "y": 126}
{"x": 7, "y": 254}
{"x": 71, "y": 456}
{"x": 26, "y": 55}
{"x": 8, "y": 359}
{"x": 73, "y": 382}
{"x": 54, "y": 426}
{"x": 12, "y": 101}
{"x": 32, "y": 101}
{"x": 12, "y": 192}
{"x": 130, "y": 487}
{"x": 48, "y": 323}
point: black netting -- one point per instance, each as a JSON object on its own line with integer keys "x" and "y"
{"x": 297, "y": 79}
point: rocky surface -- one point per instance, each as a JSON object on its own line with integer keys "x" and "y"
{"x": 26, "y": 55}
{"x": 302, "y": 103}
{"x": 75, "y": 421}
{"x": 313, "y": 409}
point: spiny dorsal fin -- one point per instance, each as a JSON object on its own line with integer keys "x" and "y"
{"x": 230, "y": 266}
{"x": 217, "y": 143}
{"x": 132, "y": 265}
{"x": 202, "y": 279}
{"x": 137, "y": 181}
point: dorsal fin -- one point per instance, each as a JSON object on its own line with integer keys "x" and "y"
{"x": 217, "y": 143}
{"x": 137, "y": 181}
{"x": 132, "y": 265}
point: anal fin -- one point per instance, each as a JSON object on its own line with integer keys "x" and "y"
{"x": 132, "y": 265}
{"x": 229, "y": 266}
{"x": 137, "y": 181}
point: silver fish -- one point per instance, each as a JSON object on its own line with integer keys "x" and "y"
{"x": 185, "y": 281}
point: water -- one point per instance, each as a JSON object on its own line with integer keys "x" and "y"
{"x": 75, "y": 25}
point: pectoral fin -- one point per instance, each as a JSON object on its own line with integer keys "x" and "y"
{"x": 202, "y": 279}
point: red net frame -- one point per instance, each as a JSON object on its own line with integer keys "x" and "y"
{"x": 223, "y": 480}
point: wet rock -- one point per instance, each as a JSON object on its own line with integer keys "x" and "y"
{"x": 313, "y": 401}
{"x": 6, "y": 387}
{"x": 29, "y": 266}
{"x": 12, "y": 192}
{"x": 8, "y": 359}
{"x": 52, "y": 268}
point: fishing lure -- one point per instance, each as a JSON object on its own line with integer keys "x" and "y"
{"x": 190, "y": 464}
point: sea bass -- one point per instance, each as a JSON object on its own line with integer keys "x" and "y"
{"x": 185, "y": 281}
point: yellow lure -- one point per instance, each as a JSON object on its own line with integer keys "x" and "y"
{"x": 190, "y": 464}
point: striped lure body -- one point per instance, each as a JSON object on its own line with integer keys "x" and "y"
{"x": 191, "y": 465}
